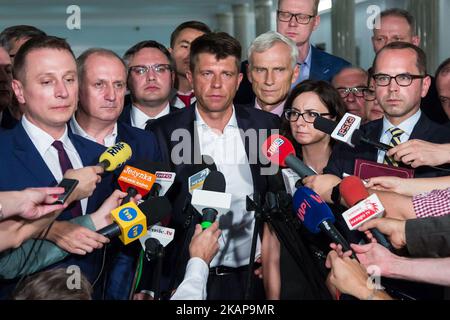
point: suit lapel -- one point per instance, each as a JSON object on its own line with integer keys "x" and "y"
{"x": 31, "y": 160}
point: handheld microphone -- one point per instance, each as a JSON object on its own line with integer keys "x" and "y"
{"x": 212, "y": 199}
{"x": 135, "y": 181}
{"x": 130, "y": 220}
{"x": 291, "y": 180}
{"x": 347, "y": 131}
{"x": 163, "y": 182}
{"x": 362, "y": 207}
{"x": 317, "y": 216}
{"x": 115, "y": 156}
{"x": 202, "y": 170}
{"x": 279, "y": 150}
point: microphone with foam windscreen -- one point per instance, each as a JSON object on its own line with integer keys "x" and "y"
{"x": 347, "y": 131}
{"x": 280, "y": 151}
{"x": 115, "y": 156}
{"x": 317, "y": 216}
{"x": 130, "y": 221}
{"x": 212, "y": 199}
{"x": 363, "y": 207}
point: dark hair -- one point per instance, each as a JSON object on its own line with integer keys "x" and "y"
{"x": 327, "y": 94}
{"x": 196, "y": 25}
{"x": 396, "y": 12}
{"x": 148, "y": 44}
{"x": 14, "y": 33}
{"x": 44, "y": 42}
{"x": 421, "y": 61}
{"x": 220, "y": 44}
{"x": 53, "y": 285}
{"x": 82, "y": 58}
{"x": 443, "y": 68}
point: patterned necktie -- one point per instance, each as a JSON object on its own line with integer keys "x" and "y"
{"x": 186, "y": 98}
{"x": 65, "y": 164}
{"x": 395, "y": 141}
{"x": 148, "y": 124}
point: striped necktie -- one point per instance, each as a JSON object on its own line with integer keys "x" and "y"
{"x": 395, "y": 141}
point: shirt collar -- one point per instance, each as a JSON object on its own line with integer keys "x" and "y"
{"x": 407, "y": 126}
{"x": 78, "y": 130}
{"x": 201, "y": 123}
{"x": 277, "y": 111}
{"x": 308, "y": 58}
{"x": 139, "y": 118}
{"x": 41, "y": 139}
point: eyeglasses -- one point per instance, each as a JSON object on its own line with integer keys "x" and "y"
{"x": 369, "y": 94}
{"x": 309, "y": 116}
{"x": 299, "y": 17}
{"x": 159, "y": 69}
{"x": 356, "y": 91}
{"x": 403, "y": 79}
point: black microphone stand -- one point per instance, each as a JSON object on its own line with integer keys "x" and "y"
{"x": 154, "y": 251}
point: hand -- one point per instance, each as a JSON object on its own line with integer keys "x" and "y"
{"x": 392, "y": 228}
{"x": 88, "y": 178}
{"x": 259, "y": 270}
{"x": 390, "y": 184}
{"x": 102, "y": 217}
{"x": 417, "y": 153}
{"x": 347, "y": 275}
{"x": 374, "y": 254}
{"x": 204, "y": 244}
{"x": 31, "y": 203}
{"x": 322, "y": 184}
{"x": 75, "y": 238}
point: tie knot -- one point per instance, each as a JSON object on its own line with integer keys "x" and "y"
{"x": 58, "y": 145}
{"x": 396, "y": 132}
{"x": 148, "y": 123}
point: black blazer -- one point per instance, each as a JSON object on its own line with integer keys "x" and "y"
{"x": 8, "y": 121}
{"x": 125, "y": 116}
{"x": 343, "y": 157}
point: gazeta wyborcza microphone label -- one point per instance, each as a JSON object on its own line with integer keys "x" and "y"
{"x": 132, "y": 222}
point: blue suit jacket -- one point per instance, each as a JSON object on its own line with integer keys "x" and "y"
{"x": 324, "y": 66}
{"x": 21, "y": 166}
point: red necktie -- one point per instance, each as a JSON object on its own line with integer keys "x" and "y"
{"x": 186, "y": 98}
{"x": 65, "y": 164}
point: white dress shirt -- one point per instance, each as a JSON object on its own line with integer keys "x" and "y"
{"x": 194, "y": 283}
{"x": 43, "y": 143}
{"x": 407, "y": 126}
{"x": 228, "y": 151}
{"x": 109, "y": 140}
{"x": 139, "y": 118}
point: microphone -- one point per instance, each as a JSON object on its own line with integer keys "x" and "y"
{"x": 115, "y": 156}
{"x": 317, "y": 216}
{"x": 362, "y": 207}
{"x": 130, "y": 220}
{"x": 135, "y": 181}
{"x": 279, "y": 150}
{"x": 347, "y": 131}
{"x": 291, "y": 180}
{"x": 163, "y": 182}
{"x": 212, "y": 199}
{"x": 202, "y": 170}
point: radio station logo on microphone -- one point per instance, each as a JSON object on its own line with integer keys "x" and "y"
{"x": 116, "y": 148}
{"x": 349, "y": 121}
{"x": 127, "y": 214}
{"x": 135, "y": 231}
{"x": 369, "y": 211}
{"x": 275, "y": 147}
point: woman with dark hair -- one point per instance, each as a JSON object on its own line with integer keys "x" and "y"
{"x": 284, "y": 276}
{"x": 307, "y": 101}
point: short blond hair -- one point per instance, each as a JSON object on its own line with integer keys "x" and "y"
{"x": 315, "y": 8}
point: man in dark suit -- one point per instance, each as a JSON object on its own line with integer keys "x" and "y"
{"x": 103, "y": 76}
{"x": 400, "y": 84}
{"x": 215, "y": 127}
{"x": 151, "y": 78}
{"x": 7, "y": 121}
{"x": 297, "y": 19}
{"x": 443, "y": 85}
{"x": 399, "y": 25}
{"x": 39, "y": 150}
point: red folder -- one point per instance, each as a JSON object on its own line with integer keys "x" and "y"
{"x": 365, "y": 169}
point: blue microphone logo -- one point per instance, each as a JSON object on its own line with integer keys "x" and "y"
{"x": 135, "y": 231}
{"x": 127, "y": 214}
